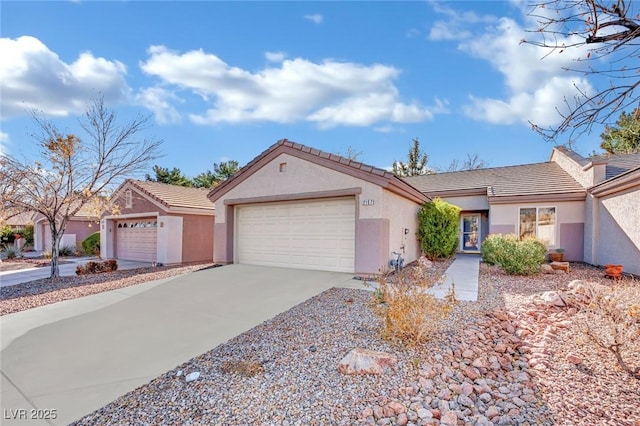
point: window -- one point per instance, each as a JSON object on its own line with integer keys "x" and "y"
{"x": 539, "y": 222}
{"x": 128, "y": 199}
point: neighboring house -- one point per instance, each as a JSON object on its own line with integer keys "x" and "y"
{"x": 297, "y": 207}
{"x": 20, "y": 220}
{"x": 79, "y": 227}
{"x": 157, "y": 222}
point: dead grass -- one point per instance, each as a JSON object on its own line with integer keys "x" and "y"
{"x": 410, "y": 315}
{"x": 243, "y": 368}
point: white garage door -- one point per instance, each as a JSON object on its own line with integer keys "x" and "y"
{"x": 317, "y": 234}
{"x": 136, "y": 239}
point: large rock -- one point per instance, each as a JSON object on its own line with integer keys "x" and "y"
{"x": 553, "y": 298}
{"x": 365, "y": 361}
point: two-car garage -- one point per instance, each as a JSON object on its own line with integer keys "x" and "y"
{"x": 308, "y": 234}
{"x": 297, "y": 207}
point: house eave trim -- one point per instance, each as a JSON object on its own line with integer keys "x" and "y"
{"x": 619, "y": 183}
{"x": 537, "y": 198}
{"x": 295, "y": 197}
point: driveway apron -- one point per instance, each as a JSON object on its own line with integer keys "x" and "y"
{"x": 77, "y": 356}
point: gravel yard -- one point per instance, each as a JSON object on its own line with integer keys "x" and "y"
{"x": 502, "y": 360}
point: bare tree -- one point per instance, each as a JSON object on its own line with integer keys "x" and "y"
{"x": 602, "y": 37}
{"x": 472, "y": 162}
{"x": 352, "y": 154}
{"x": 72, "y": 172}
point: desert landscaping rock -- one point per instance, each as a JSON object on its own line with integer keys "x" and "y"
{"x": 501, "y": 361}
{"x": 365, "y": 361}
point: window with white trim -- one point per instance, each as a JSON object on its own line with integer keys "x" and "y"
{"x": 539, "y": 222}
{"x": 128, "y": 198}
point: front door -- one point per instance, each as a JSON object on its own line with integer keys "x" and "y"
{"x": 470, "y": 238}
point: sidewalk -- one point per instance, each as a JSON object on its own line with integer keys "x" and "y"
{"x": 463, "y": 272}
{"x": 20, "y": 276}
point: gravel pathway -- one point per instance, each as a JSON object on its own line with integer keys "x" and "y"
{"x": 502, "y": 360}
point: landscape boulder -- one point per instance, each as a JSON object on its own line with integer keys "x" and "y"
{"x": 365, "y": 361}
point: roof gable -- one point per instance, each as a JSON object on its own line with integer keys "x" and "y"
{"x": 169, "y": 196}
{"x": 335, "y": 162}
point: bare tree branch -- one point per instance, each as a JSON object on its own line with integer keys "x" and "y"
{"x": 72, "y": 172}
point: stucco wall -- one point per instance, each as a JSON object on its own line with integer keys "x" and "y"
{"x": 139, "y": 204}
{"x": 402, "y": 214}
{"x": 469, "y": 202}
{"x": 618, "y": 231}
{"x": 584, "y": 178}
{"x": 197, "y": 238}
{"x": 300, "y": 176}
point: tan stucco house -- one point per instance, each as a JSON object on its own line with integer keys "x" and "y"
{"x": 297, "y": 207}
{"x": 157, "y": 222}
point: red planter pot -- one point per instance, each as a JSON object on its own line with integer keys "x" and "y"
{"x": 613, "y": 271}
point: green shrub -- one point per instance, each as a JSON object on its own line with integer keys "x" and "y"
{"x": 7, "y": 235}
{"x": 28, "y": 234}
{"x": 12, "y": 251}
{"x": 91, "y": 244}
{"x": 66, "y": 251}
{"x": 438, "y": 225}
{"x": 515, "y": 256}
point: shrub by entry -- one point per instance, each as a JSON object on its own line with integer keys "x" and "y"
{"x": 438, "y": 223}
{"x": 515, "y": 256}
{"x": 91, "y": 244}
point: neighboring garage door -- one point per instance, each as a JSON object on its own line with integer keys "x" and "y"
{"x": 318, "y": 234}
{"x": 136, "y": 239}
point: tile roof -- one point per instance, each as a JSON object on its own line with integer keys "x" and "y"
{"x": 618, "y": 164}
{"x": 21, "y": 219}
{"x": 174, "y": 195}
{"x": 529, "y": 179}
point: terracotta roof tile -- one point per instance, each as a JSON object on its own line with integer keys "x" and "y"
{"x": 175, "y": 196}
{"x": 528, "y": 179}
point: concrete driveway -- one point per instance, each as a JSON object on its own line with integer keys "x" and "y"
{"x": 77, "y": 356}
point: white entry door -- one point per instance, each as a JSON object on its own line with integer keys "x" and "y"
{"x": 313, "y": 234}
{"x": 470, "y": 235}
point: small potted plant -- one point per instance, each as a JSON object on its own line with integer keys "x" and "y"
{"x": 556, "y": 255}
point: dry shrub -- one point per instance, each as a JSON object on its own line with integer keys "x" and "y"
{"x": 612, "y": 320}
{"x": 92, "y": 267}
{"x": 410, "y": 315}
{"x": 248, "y": 368}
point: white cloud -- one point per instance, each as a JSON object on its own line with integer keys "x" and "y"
{"x": 275, "y": 56}
{"x": 457, "y": 24}
{"x": 535, "y": 88}
{"x": 158, "y": 100}
{"x": 315, "y": 18}
{"x": 34, "y": 77}
{"x": 329, "y": 93}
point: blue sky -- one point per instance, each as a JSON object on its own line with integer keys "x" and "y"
{"x": 225, "y": 80}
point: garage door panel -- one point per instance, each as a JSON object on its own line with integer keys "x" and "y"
{"x": 318, "y": 234}
{"x": 136, "y": 239}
